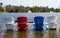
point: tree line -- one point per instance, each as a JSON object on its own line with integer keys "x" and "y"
{"x": 34, "y": 9}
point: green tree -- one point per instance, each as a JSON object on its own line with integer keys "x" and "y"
{"x": 1, "y": 8}
{"x": 44, "y": 9}
{"x": 57, "y": 10}
{"x": 52, "y": 9}
{"x": 23, "y": 9}
{"x": 1, "y": 4}
{"x": 35, "y": 9}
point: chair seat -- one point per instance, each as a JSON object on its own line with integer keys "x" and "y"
{"x": 9, "y": 23}
{"x": 22, "y": 27}
{"x": 9, "y": 26}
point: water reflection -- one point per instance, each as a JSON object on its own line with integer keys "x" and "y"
{"x": 46, "y": 34}
{"x": 8, "y": 34}
{"x": 2, "y": 35}
{"x": 30, "y": 34}
{"x": 39, "y": 34}
{"x": 21, "y": 34}
{"x": 52, "y": 34}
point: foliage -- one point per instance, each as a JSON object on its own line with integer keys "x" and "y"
{"x": 35, "y": 9}
{"x": 1, "y": 9}
{"x": 44, "y": 9}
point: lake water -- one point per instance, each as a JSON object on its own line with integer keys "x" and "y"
{"x": 30, "y": 33}
{"x": 29, "y": 15}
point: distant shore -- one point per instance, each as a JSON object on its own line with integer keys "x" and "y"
{"x": 34, "y": 9}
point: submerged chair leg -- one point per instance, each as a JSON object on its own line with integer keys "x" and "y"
{"x": 58, "y": 28}
{"x": 35, "y": 29}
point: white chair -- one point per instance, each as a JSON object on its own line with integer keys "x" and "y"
{"x": 52, "y": 21}
{"x": 9, "y": 23}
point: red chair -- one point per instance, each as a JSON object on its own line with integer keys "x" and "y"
{"x": 22, "y": 23}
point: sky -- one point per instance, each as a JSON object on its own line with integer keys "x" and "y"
{"x": 49, "y": 3}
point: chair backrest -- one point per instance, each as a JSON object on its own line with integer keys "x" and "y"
{"x": 21, "y": 19}
{"x": 39, "y": 19}
{"x": 9, "y": 20}
{"x": 52, "y": 19}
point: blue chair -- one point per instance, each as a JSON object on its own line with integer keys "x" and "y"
{"x": 38, "y": 23}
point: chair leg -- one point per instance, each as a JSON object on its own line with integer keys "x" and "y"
{"x": 57, "y": 30}
{"x": 35, "y": 29}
